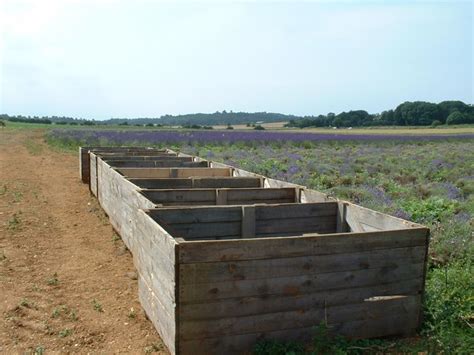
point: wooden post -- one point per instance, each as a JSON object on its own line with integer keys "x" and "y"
{"x": 248, "y": 221}
{"x": 221, "y": 197}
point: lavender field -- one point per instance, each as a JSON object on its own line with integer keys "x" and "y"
{"x": 426, "y": 179}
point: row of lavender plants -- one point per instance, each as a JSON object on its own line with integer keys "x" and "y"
{"x": 428, "y": 179}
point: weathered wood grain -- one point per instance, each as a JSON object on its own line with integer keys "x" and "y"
{"x": 111, "y": 158}
{"x": 249, "y": 249}
{"x": 390, "y": 324}
{"x": 156, "y": 164}
{"x": 301, "y": 265}
{"x": 84, "y": 164}
{"x": 295, "y": 285}
{"x": 196, "y": 182}
{"x": 341, "y": 315}
{"x": 172, "y": 172}
{"x": 93, "y": 183}
{"x": 220, "y": 196}
{"x": 261, "y": 304}
{"x": 248, "y": 228}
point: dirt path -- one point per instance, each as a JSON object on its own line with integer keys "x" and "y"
{"x": 67, "y": 283}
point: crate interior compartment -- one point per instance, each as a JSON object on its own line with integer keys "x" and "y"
{"x": 173, "y": 172}
{"x": 110, "y": 158}
{"x": 124, "y": 149}
{"x": 157, "y": 163}
{"x": 128, "y": 151}
{"x": 197, "y": 182}
{"x": 239, "y": 196}
{"x": 230, "y": 222}
{"x": 133, "y": 153}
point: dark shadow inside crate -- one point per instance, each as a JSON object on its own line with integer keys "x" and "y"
{"x": 232, "y": 222}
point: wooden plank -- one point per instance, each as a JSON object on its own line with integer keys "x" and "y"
{"x": 248, "y": 222}
{"x": 221, "y": 197}
{"x": 352, "y": 220}
{"x": 209, "y": 182}
{"x": 301, "y": 318}
{"x": 296, "y": 266}
{"x": 249, "y": 249}
{"x": 341, "y": 222}
{"x": 182, "y": 196}
{"x": 377, "y": 220}
{"x": 273, "y": 183}
{"x": 226, "y": 182}
{"x": 297, "y": 285}
{"x": 243, "y": 343}
{"x": 236, "y": 307}
{"x": 262, "y": 202}
{"x": 308, "y": 195}
{"x": 204, "y": 230}
{"x": 196, "y": 215}
{"x": 264, "y": 212}
{"x": 295, "y": 226}
{"x": 84, "y": 164}
{"x": 165, "y": 183}
{"x": 112, "y": 158}
{"x": 236, "y": 195}
{"x": 303, "y": 210}
{"x": 152, "y": 248}
{"x": 93, "y": 184}
{"x": 156, "y": 164}
{"x": 161, "y": 316}
{"x": 168, "y": 172}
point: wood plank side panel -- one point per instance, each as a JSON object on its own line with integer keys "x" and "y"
{"x": 250, "y": 249}
{"x": 301, "y": 284}
{"x": 239, "y": 344}
{"x": 224, "y": 300}
{"x": 112, "y": 158}
{"x": 197, "y": 182}
{"x": 172, "y": 172}
{"x": 93, "y": 174}
{"x": 152, "y": 248}
{"x": 84, "y": 164}
{"x": 220, "y": 196}
{"x": 156, "y": 164}
{"x": 340, "y": 317}
{"x": 270, "y": 220}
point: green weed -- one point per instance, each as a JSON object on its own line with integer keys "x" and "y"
{"x": 53, "y": 280}
{"x": 14, "y": 222}
{"x": 65, "y": 333}
{"x": 97, "y": 306}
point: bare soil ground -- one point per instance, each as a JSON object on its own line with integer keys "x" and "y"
{"x": 67, "y": 283}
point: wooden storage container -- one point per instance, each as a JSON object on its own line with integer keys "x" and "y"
{"x": 225, "y": 261}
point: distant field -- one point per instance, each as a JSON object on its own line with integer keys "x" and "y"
{"x": 269, "y": 127}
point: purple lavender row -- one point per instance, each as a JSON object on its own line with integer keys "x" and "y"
{"x": 119, "y": 137}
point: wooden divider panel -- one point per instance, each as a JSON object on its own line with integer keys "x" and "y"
{"x": 270, "y": 220}
{"x": 183, "y": 197}
{"x": 146, "y": 157}
{"x": 172, "y": 172}
{"x": 156, "y": 164}
{"x": 196, "y": 182}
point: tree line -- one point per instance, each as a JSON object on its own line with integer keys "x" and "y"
{"x": 417, "y": 113}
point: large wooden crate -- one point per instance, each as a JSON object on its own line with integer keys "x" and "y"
{"x": 225, "y": 261}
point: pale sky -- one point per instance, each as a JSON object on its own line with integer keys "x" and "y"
{"x": 138, "y": 58}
